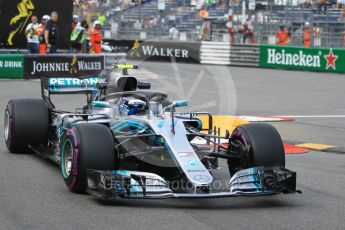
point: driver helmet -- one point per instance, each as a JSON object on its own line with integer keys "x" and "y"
{"x": 131, "y": 106}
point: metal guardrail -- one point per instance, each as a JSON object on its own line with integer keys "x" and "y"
{"x": 25, "y": 51}
{"x": 222, "y": 53}
{"x": 217, "y": 53}
{"x": 13, "y": 51}
{"x": 244, "y": 55}
{"x": 109, "y": 57}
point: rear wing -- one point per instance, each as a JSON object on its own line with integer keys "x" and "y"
{"x": 68, "y": 73}
{"x": 79, "y": 74}
{"x": 71, "y": 85}
{"x": 68, "y": 85}
{"x": 81, "y": 84}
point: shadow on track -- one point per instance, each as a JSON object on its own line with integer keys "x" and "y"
{"x": 207, "y": 204}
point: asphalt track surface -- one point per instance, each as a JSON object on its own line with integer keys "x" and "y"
{"x": 33, "y": 195}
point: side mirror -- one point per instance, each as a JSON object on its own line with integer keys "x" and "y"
{"x": 100, "y": 104}
{"x": 179, "y": 103}
{"x": 102, "y": 85}
{"x": 144, "y": 85}
{"x": 174, "y": 104}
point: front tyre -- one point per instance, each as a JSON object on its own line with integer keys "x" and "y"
{"x": 265, "y": 146}
{"x": 85, "y": 146}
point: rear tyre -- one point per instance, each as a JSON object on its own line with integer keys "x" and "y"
{"x": 26, "y": 122}
{"x": 266, "y": 146}
{"x": 85, "y": 146}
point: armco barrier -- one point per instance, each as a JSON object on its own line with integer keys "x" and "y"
{"x": 11, "y": 65}
{"x": 215, "y": 53}
{"x": 300, "y": 58}
{"x": 222, "y": 53}
{"x": 244, "y": 55}
{"x": 34, "y": 66}
{"x": 13, "y": 51}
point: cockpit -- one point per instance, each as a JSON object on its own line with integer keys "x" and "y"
{"x": 139, "y": 103}
{"x": 127, "y": 96}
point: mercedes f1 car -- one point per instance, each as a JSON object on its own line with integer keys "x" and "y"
{"x": 130, "y": 142}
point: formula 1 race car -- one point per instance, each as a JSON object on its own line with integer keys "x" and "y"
{"x": 130, "y": 142}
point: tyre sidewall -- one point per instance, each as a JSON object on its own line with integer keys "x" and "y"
{"x": 8, "y": 141}
{"x": 93, "y": 148}
{"x": 76, "y": 180}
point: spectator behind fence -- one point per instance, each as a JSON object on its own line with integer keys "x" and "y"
{"x": 114, "y": 27}
{"x": 247, "y": 33}
{"x": 283, "y": 36}
{"x": 75, "y": 21}
{"x": 343, "y": 33}
{"x": 32, "y": 36}
{"x": 307, "y": 35}
{"x": 96, "y": 38}
{"x": 137, "y": 25}
{"x": 205, "y": 30}
{"x": 151, "y": 22}
{"x": 102, "y": 19}
{"x": 51, "y": 33}
{"x": 232, "y": 32}
{"x": 341, "y": 4}
{"x": 42, "y": 46}
{"x": 203, "y": 12}
{"x": 155, "y": 20}
{"x": 173, "y": 33}
{"x": 322, "y": 5}
{"x": 78, "y": 36}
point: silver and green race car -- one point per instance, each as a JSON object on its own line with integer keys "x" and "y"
{"x": 131, "y": 142}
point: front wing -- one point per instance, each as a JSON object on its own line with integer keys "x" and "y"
{"x": 110, "y": 185}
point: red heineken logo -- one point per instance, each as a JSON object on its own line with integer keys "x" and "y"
{"x": 331, "y": 59}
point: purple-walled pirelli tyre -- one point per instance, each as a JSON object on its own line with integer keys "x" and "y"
{"x": 26, "y": 122}
{"x": 266, "y": 145}
{"x": 85, "y": 146}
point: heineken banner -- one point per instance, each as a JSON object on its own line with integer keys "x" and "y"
{"x": 11, "y": 65}
{"x": 37, "y": 66}
{"x": 15, "y": 15}
{"x": 300, "y": 58}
